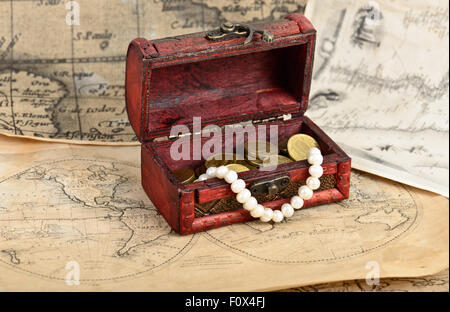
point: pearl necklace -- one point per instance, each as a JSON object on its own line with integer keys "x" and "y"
{"x": 244, "y": 196}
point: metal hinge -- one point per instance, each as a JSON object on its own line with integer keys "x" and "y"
{"x": 282, "y": 117}
{"x": 181, "y": 135}
{"x": 255, "y": 121}
{"x": 230, "y": 30}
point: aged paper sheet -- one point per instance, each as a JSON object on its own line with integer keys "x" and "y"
{"x": 65, "y": 207}
{"x": 65, "y": 81}
{"x": 381, "y": 86}
{"x": 431, "y": 283}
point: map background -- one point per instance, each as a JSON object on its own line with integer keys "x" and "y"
{"x": 64, "y": 82}
{"x": 43, "y": 61}
{"x": 78, "y": 70}
{"x": 381, "y": 86}
{"x": 65, "y": 202}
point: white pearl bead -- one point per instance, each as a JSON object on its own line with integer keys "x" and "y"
{"x": 243, "y": 196}
{"x": 315, "y": 159}
{"x": 258, "y": 211}
{"x": 297, "y": 202}
{"x": 221, "y": 172}
{"x": 231, "y": 176}
{"x": 316, "y": 171}
{"x": 277, "y": 216}
{"x": 287, "y": 210}
{"x": 305, "y": 192}
{"x": 314, "y": 150}
{"x": 313, "y": 183}
{"x": 267, "y": 215}
{"x": 238, "y": 185}
{"x": 251, "y": 203}
{"x": 203, "y": 177}
{"x": 211, "y": 172}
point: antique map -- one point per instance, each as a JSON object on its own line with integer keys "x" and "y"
{"x": 74, "y": 217}
{"x": 62, "y": 72}
{"x": 436, "y": 282}
{"x": 65, "y": 80}
{"x": 381, "y": 86}
{"x": 63, "y": 205}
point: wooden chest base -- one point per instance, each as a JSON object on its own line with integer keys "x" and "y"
{"x": 178, "y": 202}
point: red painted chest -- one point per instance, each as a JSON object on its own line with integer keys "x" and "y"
{"x": 172, "y": 80}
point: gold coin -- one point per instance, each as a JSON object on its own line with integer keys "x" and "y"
{"x": 222, "y": 159}
{"x": 259, "y": 149}
{"x": 299, "y": 146}
{"x": 184, "y": 175}
{"x": 255, "y": 163}
{"x": 275, "y": 160}
{"x": 237, "y": 167}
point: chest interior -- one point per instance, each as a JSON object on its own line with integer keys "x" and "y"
{"x": 214, "y": 195}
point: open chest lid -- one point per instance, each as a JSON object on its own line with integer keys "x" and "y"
{"x": 171, "y": 81}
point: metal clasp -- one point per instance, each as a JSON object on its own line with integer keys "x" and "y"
{"x": 270, "y": 186}
{"x": 230, "y": 30}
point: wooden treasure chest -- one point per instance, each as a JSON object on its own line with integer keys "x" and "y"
{"x": 235, "y": 77}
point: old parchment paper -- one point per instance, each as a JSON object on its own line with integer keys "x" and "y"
{"x": 431, "y": 283}
{"x": 380, "y": 83}
{"x": 63, "y": 205}
{"x": 381, "y": 86}
{"x": 65, "y": 81}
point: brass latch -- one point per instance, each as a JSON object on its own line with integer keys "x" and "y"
{"x": 270, "y": 186}
{"x": 230, "y": 30}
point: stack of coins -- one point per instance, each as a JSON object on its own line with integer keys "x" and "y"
{"x": 223, "y": 159}
{"x": 258, "y": 154}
